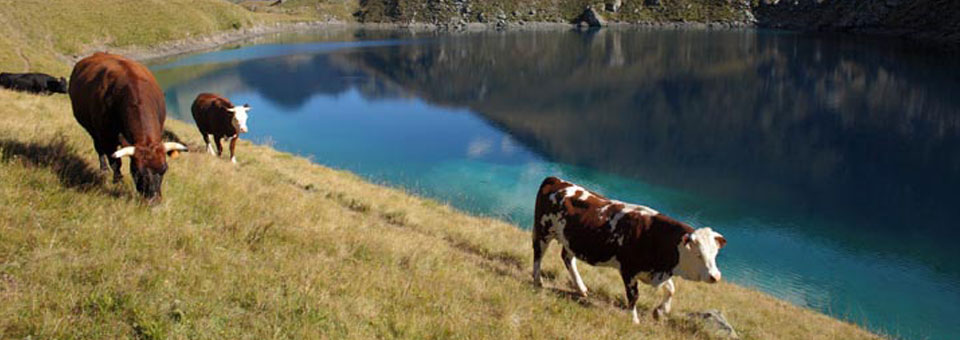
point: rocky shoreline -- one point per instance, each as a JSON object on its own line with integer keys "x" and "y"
{"x": 215, "y": 41}
{"x": 852, "y": 17}
{"x": 208, "y": 42}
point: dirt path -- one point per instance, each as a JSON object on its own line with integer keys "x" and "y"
{"x": 23, "y": 57}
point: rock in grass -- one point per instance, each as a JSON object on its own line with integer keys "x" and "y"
{"x": 714, "y": 322}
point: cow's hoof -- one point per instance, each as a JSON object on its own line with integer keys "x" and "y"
{"x": 658, "y": 314}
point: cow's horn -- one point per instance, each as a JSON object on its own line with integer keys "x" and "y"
{"x": 171, "y": 146}
{"x": 123, "y": 152}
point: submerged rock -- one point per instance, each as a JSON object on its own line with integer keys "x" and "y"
{"x": 714, "y": 322}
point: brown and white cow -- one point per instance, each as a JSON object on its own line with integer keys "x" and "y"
{"x": 217, "y": 116}
{"x": 119, "y": 103}
{"x": 641, "y": 243}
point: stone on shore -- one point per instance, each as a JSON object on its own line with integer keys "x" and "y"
{"x": 591, "y": 17}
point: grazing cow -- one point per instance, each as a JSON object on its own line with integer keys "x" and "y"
{"x": 33, "y": 82}
{"x": 643, "y": 244}
{"x": 119, "y": 103}
{"x": 216, "y": 116}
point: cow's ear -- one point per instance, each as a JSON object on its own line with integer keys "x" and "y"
{"x": 246, "y": 105}
{"x": 720, "y": 241}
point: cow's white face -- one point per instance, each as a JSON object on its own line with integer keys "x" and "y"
{"x": 698, "y": 256}
{"x": 240, "y": 117}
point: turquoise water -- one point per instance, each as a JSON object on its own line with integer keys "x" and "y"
{"x": 829, "y": 164}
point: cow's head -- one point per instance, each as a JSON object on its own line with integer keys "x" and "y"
{"x": 148, "y": 165}
{"x": 57, "y": 86}
{"x": 240, "y": 117}
{"x": 698, "y": 255}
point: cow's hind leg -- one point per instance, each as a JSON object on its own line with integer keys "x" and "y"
{"x": 632, "y": 294}
{"x": 571, "y": 263}
{"x": 206, "y": 140}
{"x": 540, "y": 245}
{"x": 664, "y": 307}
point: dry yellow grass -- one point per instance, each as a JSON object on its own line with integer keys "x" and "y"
{"x": 278, "y": 247}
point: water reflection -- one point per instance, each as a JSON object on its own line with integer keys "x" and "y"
{"x": 865, "y": 136}
{"x": 833, "y": 163}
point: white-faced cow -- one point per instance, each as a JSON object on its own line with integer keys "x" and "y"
{"x": 119, "y": 103}
{"x": 641, "y": 243}
{"x": 216, "y": 116}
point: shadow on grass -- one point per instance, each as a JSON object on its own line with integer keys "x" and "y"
{"x": 59, "y": 158}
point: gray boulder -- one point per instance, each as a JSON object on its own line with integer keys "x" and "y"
{"x": 591, "y": 17}
{"x": 714, "y": 322}
{"x": 614, "y": 6}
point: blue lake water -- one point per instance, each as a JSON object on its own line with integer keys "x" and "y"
{"x": 830, "y": 164}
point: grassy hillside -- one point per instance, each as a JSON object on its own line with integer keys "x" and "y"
{"x": 38, "y": 35}
{"x": 279, "y": 247}
{"x": 339, "y": 10}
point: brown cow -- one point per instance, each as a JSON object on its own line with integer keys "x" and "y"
{"x": 217, "y": 116}
{"x": 640, "y": 242}
{"x": 119, "y": 103}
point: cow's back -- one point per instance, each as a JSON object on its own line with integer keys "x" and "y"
{"x": 114, "y": 95}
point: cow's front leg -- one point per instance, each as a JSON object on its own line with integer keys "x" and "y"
{"x": 233, "y": 146}
{"x": 632, "y": 294}
{"x": 116, "y": 164}
{"x": 103, "y": 161}
{"x": 664, "y": 307}
{"x": 216, "y": 140}
{"x": 571, "y": 263}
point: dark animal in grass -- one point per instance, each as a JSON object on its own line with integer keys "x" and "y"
{"x": 33, "y": 82}
{"x": 217, "y": 116}
{"x": 643, "y": 244}
{"x": 119, "y": 103}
